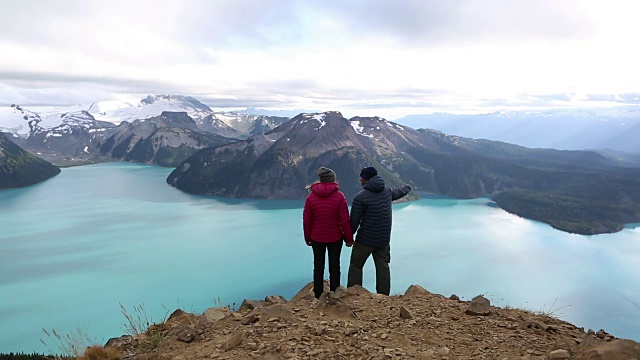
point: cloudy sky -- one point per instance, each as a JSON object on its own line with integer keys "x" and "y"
{"x": 361, "y": 57}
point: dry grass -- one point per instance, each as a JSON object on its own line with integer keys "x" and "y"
{"x": 72, "y": 344}
{"x": 101, "y": 353}
{"x": 552, "y": 311}
{"x": 139, "y": 323}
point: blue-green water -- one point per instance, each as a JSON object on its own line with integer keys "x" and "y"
{"x": 76, "y": 246}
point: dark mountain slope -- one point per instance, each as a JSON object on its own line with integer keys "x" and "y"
{"x": 19, "y": 168}
{"x": 541, "y": 158}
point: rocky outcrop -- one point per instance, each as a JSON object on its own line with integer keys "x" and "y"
{"x": 614, "y": 350}
{"x": 479, "y": 306}
{"x": 356, "y": 324}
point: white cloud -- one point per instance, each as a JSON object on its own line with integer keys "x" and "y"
{"x": 364, "y": 56}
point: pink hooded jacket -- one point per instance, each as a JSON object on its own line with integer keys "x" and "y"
{"x": 326, "y": 215}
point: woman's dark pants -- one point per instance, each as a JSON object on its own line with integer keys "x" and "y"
{"x": 319, "y": 250}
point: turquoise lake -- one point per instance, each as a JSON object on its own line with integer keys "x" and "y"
{"x": 72, "y": 249}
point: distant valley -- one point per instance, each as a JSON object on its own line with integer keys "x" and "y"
{"x": 616, "y": 129}
{"x": 257, "y": 156}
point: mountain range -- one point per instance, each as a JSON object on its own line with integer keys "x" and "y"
{"x": 161, "y": 130}
{"x": 576, "y": 191}
{"x": 251, "y": 155}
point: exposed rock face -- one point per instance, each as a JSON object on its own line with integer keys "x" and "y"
{"x": 242, "y": 126}
{"x": 19, "y": 168}
{"x": 356, "y": 324}
{"x": 165, "y": 140}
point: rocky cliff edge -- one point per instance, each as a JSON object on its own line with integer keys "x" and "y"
{"x": 356, "y": 324}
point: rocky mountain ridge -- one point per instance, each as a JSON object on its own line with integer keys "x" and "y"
{"x": 163, "y": 140}
{"x": 594, "y": 194}
{"x": 281, "y": 162}
{"x": 356, "y": 324}
{"x": 68, "y": 135}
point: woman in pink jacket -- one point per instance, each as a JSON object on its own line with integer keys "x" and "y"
{"x": 326, "y": 224}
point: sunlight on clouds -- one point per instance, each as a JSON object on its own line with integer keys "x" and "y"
{"x": 323, "y": 55}
{"x": 480, "y": 71}
{"x": 614, "y": 19}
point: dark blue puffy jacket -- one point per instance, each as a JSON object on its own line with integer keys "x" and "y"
{"x": 371, "y": 212}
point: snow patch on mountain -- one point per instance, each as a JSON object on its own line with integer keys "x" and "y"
{"x": 314, "y": 116}
{"x": 151, "y": 106}
{"x": 15, "y": 121}
{"x": 237, "y": 121}
{"x": 355, "y": 124}
{"x": 396, "y": 126}
{"x": 319, "y": 117}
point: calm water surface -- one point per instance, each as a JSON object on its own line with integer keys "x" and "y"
{"x": 72, "y": 249}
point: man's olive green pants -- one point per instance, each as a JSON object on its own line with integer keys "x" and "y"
{"x": 381, "y": 259}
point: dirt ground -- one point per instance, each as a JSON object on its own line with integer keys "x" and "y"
{"x": 356, "y": 324}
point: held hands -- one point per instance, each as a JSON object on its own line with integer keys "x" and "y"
{"x": 349, "y": 243}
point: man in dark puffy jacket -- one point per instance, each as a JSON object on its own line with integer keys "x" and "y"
{"x": 371, "y": 218}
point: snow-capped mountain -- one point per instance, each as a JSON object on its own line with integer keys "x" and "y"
{"x": 25, "y": 123}
{"x": 119, "y": 111}
{"x": 87, "y": 133}
{"x": 22, "y": 122}
{"x": 17, "y": 121}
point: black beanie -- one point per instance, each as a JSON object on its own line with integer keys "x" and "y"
{"x": 368, "y": 172}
